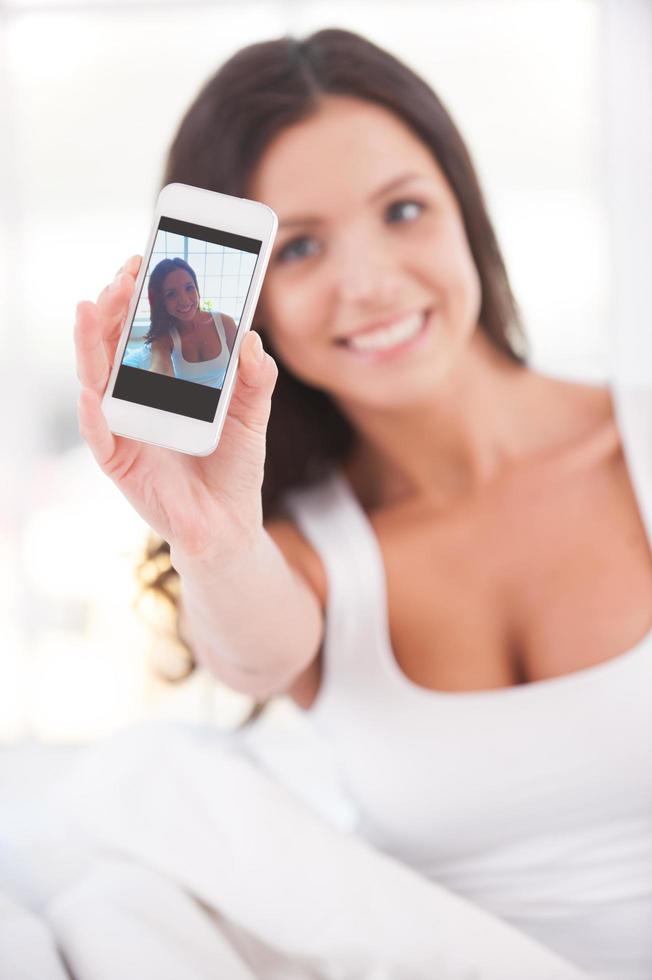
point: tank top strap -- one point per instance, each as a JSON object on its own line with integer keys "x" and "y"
{"x": 633, "y": 407}
{"x": 221, "y": 332}
{"x": 176, "y": 340}
{"x": 332, "y": 520}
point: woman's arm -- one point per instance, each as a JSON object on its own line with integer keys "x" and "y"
{"x": 254, "y": 619}
{"x": 162, "y": 356}
{"x": 248, "y": 614}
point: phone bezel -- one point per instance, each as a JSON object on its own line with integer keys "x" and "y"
{"x": 212, "y": 210}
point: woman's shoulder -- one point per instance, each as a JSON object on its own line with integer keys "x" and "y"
{"x": 595, "y": 397}
{"x": 218, "y": 316}
{"x": 308, "y": 522}
{"x": 565, "y": 419}
{"x": 228, "y": 325}
{"x": 299, "y": 553}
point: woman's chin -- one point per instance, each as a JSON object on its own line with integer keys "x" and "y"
{"x": 404, "y": 392}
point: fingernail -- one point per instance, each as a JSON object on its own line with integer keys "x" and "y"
{"x": 258, "y": 351}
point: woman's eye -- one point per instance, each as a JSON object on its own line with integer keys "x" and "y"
{"x": 298, "y": 248}
{"x": 406, "y": 210}
{"x": 190, "y": 288}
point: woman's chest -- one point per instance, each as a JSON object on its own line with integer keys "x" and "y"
{"x": 536, "y": 581}
{"x": 462, "y": 774}
{"x": 203, "y": 344}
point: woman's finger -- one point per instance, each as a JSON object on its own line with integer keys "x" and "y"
{"x": 112, "y": 305}
{"x": 92, "y": 363}
{"x": 93, "y": 427}
{"x": 132, "y": 265}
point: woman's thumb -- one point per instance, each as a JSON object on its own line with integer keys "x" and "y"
{"x": 257, "y": 373}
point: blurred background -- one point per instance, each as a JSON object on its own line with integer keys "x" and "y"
{"x": 554, "y": 98}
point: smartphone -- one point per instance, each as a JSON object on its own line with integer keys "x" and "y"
{"x": 195, "y": 297}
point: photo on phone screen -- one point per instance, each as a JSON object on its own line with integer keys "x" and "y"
{"x": 187, "y": 315}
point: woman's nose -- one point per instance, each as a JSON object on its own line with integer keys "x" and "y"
{"x": 366, "y": 271}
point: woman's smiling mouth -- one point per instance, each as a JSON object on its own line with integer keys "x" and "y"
{"x": 391, "y": 338}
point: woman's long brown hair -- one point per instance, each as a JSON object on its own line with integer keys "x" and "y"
{"x": 255, "y": 95}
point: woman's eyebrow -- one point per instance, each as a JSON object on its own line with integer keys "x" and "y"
{"x": 395, "y": 182}
{"x": 391, "y": 185}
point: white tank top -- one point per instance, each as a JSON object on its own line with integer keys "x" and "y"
{"x": 209, "y": 372}
{"x": 534, "y": 801}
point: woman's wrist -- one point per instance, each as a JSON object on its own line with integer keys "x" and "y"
{"x": 218, "y": 559}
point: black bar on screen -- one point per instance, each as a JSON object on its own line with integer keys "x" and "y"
{"x": 196, "y": 401}
{"x": 213, "y": 235}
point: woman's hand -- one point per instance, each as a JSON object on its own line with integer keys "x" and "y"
{"x": 203, "y": 506}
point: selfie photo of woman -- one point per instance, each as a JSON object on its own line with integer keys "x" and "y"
{"x": 182, "y": 340}
{"x": 178, "y": 324}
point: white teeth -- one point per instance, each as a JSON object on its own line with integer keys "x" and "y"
{"x": 386, "y": 337}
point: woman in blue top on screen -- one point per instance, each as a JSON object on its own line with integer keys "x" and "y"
{"x": 186, "y": 341}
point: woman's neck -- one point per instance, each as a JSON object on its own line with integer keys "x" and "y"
{"x": 187, "y": 326}
{"x": 489, "y": 412}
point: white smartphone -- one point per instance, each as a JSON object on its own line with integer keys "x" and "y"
{"x": 195, "y": 297}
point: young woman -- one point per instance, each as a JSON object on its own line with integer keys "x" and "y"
{"x": 448, "y": 563}
{"x": 186, "y": 341}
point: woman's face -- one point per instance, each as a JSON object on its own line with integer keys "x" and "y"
{"x": 180, "y": 295}
{"x": 371, "y": 291}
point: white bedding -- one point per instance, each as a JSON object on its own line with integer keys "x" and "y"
{"x": 167, "y": 853}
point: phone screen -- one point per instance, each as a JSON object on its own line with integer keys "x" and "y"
{"x": 187, "y": 315}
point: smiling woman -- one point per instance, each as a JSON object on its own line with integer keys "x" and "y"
{"x": 307, "y": 430}
{"x": 448, "y": 560}
{"x": 389, "y": 293}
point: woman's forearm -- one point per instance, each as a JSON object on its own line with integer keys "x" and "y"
{"x": 251, "y": 619}
{"x": 162, "y": 364}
